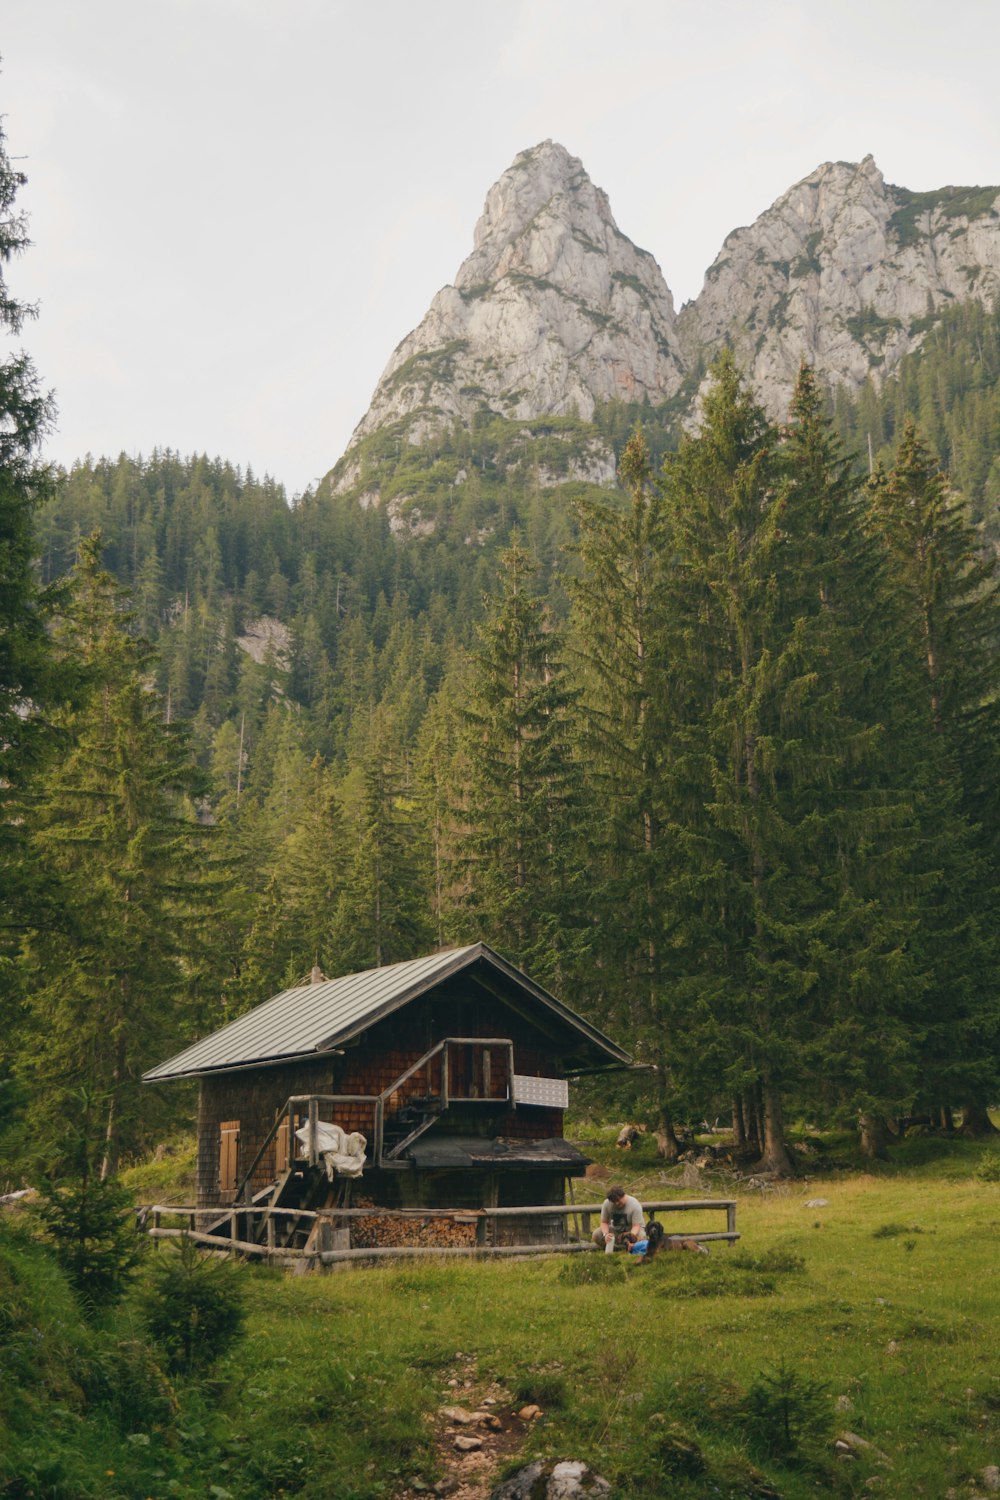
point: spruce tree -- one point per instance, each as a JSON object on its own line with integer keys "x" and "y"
{"x": 527, "y": 894}
{"x": 381, "y": 914}
{"x": 113, "y": 824}
{"x": 26, "y": 684}
{"x": 626, "y": 708}
{"x": 290, "y": 932}
{"x": 851, "y": 773}
{"x": 775, "y": 721}
{"x": 949, "y": 596}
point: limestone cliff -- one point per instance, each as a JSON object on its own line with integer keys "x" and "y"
{"x": 845, "y": 272}
{"x": 554, "y": 312}
{"x": 556, "y": 318}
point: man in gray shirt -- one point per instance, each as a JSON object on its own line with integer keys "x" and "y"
{"x": 621, "y": 1221}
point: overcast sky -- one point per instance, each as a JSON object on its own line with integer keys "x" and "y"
{"x": 239, "y": 207}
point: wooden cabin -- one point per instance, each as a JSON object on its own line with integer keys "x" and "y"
{"x": 453, "y": 1068}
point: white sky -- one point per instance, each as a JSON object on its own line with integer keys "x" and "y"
{"x": 239, "y": 207}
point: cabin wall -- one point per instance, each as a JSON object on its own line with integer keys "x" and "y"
{"x": 252, "y": 1097}
{"x": 387, "y": 1049}
{"x": 372, "y": 1064}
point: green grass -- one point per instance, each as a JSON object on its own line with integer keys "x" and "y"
{"x": 726, "y": 1375}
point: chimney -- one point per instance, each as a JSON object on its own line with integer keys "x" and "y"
{"x": 317, "y": 976}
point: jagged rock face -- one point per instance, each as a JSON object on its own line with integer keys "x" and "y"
{"x": 554, "y": 311}
{"x": 844, "y": 272}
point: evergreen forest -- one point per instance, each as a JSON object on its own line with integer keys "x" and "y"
{"x": 712, "y": 755}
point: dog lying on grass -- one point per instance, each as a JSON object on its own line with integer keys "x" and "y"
{"x": 657, "y": 1239}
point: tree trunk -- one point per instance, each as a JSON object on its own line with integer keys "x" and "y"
{"x": 946, "y": 1118}
{"x": 774, "y": 1157}
{"x": 873, "y": 1137}
{"x": 667, "y": 1144}
{"x": 755, "y": 1117}
{"x": 739, "y": 1128}
{"x": 109, "y": 1159}
{"x": 976, "y": 1122}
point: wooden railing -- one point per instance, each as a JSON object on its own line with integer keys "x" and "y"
{"x": 327, "y": 1221}
{"x": 443, "y": 1098}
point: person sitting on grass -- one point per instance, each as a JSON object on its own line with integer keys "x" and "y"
{"x": 621, "y": 1221}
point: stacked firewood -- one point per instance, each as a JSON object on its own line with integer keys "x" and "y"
{"x": 381, "y": 1230}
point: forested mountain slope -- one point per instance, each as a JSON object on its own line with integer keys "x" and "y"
{"x": 670, "y": 718}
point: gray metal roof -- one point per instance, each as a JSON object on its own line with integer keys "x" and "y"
{"x": 317, "y": 1018}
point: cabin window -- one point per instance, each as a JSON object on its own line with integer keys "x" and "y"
{"x": 229, "y": 1150}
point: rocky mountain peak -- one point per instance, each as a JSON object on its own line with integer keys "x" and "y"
{"x": 554, "y": 311}
{"x": 544, "y": 186}
{"x": 846, "y": 272}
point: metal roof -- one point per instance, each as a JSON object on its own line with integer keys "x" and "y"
{"x": 317, "y": 1018}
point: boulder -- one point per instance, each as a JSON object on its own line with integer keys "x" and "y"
{"x": 568, "y": 1479}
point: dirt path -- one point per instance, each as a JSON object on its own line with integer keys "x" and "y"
{"x": 477, "y": 1428}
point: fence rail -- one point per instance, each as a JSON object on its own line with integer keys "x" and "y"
{"x": 228, "y": 1233}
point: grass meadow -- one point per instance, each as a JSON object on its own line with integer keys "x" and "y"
{"x": 874, "y": 1315}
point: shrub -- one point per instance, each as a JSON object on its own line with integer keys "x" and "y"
{"x": 192, "y": 1306}
{"x": 543, "y": 1387}
{"x": 583, "y": 1270}
{"x": 783, "y": 1409}
{"x": 988, "y": 1169}
{"x": 774, "y": 1261}
{"x": 678, "y": 1453}
{"x": 128, "y": 1383}
{"x": 684, "y": 1276}
{"x": 89, "y": 1226}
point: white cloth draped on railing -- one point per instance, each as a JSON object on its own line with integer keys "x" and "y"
{"x": 342, "y": 1155}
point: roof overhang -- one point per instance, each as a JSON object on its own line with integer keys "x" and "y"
{"x": 462, "y": 1152}
{"x": 319, "y": 1020}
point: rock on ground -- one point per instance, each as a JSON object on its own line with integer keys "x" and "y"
{"x": 570, "y": 1479}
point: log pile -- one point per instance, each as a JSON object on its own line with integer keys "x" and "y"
{"x": 381, "y": 1230}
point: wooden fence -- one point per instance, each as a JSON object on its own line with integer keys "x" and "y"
{"x": 328, "y": 1242}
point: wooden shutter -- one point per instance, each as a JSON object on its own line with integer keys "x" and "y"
{"x": 229, "y": 1150}
{"x": 282, "y": 1160}
{"x": 286, "y": 1147}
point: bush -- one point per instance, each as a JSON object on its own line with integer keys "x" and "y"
{"x": 685, "y": 1276}
{"x": 193, "y": 1307}
{"x": 784, "y": 1409}
{"x": 543, "y": 1388}
{"x": 988, "y": 1169}
{"x": 89, "y": 1226}
{"x": 774, "y": 1261}
{"x": 584, "y": 1270}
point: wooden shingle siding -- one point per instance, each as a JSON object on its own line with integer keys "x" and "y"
{"x": 369, "y": 1066}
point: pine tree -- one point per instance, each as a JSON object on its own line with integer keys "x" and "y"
{"x": 626, "y": 711}
{"x": 113, "y": 824}
{"x": 949, "y": 595}
{"x": 381, "y": 915}
{"x": 25, "y": 660}
{"x": 526, "y": 888}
